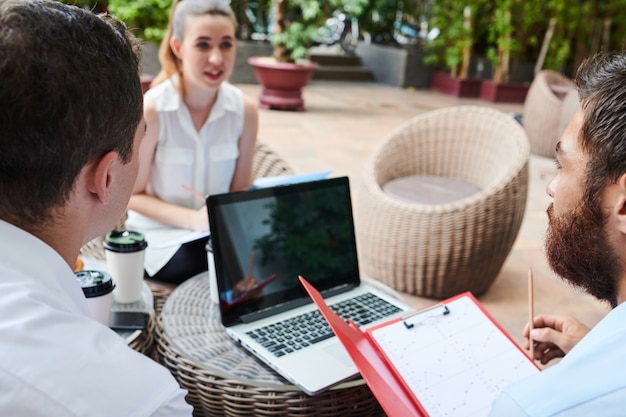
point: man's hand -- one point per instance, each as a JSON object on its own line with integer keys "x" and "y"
{"x": 553, "y": 336}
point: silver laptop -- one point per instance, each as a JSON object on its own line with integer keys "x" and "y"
{"x": 262, "y": 240}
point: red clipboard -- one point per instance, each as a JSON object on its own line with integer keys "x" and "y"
{"x": 379, "y": 364}
{"x": 384, "y": 383}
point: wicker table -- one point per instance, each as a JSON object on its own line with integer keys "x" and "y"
{"x": 224, "y": 380}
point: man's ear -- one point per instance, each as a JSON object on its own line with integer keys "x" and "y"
{"x": 103, "y": 172}
{"x": 620, "y": 203}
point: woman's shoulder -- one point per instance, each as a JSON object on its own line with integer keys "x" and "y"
{"x": 231, "y": 97}
{"x": 158, "y": 89}
{"x": 163, "y": 96}
{"x": 250, "y": 105}
{"x": 231, "y": 90}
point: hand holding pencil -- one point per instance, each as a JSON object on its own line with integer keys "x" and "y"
{"x": 194, "y": 193}
{"x": 550, "y": 336}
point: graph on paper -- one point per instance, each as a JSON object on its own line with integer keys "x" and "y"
{"x": 453, "y": 358}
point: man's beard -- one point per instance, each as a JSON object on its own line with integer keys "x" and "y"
{"x": 578, "y": 250}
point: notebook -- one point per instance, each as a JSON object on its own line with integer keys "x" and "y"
{"x": 262, "y": 239}
{"x": 450, "y": 359}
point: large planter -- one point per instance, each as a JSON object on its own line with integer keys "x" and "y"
{"x": 503, "y": 92}
{"x": 459, "y": 87}
{"x": 282, "y": 82}
{"x": 397, "y": 66}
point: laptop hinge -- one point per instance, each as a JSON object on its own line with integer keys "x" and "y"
{"x": 268, "y": 312}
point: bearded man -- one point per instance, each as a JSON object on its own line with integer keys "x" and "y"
{"x": 586, "y": 246}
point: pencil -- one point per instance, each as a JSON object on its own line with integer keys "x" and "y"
{"x": 531, "y": 312}
{"x": 194, "y": 193}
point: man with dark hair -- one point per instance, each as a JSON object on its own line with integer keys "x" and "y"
{"x": 585, "y": 245}
{"x": 70, "y": 128}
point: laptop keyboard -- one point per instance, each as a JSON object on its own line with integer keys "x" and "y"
{"x": 307, "y": 329}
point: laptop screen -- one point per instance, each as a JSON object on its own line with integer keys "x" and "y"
{"x": 263, "y": 239}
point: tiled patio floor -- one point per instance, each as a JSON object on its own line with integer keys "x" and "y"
{"x": 340, "y": 128}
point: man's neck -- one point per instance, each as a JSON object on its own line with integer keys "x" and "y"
{"x": 621, "y": 290}
{"x": 61, "y": 235}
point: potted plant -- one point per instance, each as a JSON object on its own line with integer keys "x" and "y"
{"x": 450, "y": 51}
{"x": 505, "y": 20}
{"x": 285, "y": 74}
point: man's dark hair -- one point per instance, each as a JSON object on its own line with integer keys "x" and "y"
{"x": 601, "y": 83}
{"x": 69, "y": 93}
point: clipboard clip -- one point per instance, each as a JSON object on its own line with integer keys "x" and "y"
{"x": 445, "y": 310}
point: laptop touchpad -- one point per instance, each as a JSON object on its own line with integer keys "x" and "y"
{"x": 338, "y": 352}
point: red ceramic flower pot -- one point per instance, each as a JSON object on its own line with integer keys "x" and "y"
{"x": 282, "y": 82}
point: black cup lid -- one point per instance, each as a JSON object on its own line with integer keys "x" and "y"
{"x": 125, "y": 241}
{"x": 95, "y": 283}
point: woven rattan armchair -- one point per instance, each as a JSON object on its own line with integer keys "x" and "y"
{"x": 267, "y": 163}
{"x": 544, "y": 110}
{"x": 569, "y": 107}
{"x": 439, "y": 250}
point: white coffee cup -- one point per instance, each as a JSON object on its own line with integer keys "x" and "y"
{"x": 125, "y": 256}
{"x": 98, "y": 288}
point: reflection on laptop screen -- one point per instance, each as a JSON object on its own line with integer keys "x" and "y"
{"x": 263, "y": 239}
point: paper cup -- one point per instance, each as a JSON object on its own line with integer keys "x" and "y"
{"x": 125, "y": 256}
{"x": 98, "y": 288}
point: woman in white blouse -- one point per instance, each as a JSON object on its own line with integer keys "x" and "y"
{"x": 200, "y": 130}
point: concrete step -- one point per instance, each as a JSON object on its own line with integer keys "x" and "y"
{"x": 342, "y": 73}
{"x": 337, "y": 66}
{"x": 335, "y": 60}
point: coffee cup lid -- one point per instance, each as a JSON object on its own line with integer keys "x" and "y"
{"x": 125, "y": 241}
{"x": 95, "y": 283}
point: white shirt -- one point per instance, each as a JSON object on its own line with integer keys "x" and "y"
{"x": 55, "y": 360}
{"x": 588, "y": 381}
{"x": 203, "y": 160}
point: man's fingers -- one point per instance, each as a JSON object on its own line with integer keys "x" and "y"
{"x": 550, "y": 354}
{"x": 552, "y": 321}
{"x": 546, "y": 335}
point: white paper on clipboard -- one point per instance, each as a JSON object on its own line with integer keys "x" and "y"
{"x": 453, "y": 357}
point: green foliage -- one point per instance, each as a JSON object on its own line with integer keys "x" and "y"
{"x": 446, "y": 51}
{"x": 295, "y": 39}
{"x": 147, "y": 18}
{"x": 511, "y": 32}
{"x": 87, "y": 4}
{"x": 567, "y": 21}
{"x": 379, "y": 15}
{"x": 252, "y": 16}
{"x": 300, "y": 21}
{"x": 504, "y": 19}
